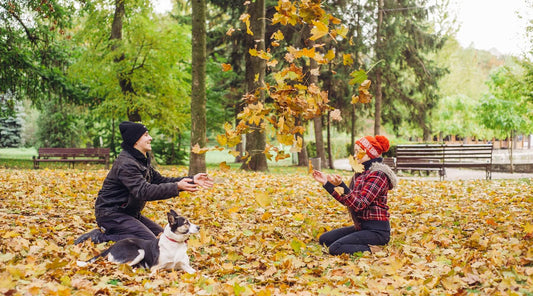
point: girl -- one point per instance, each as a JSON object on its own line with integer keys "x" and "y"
{"x": 365, "y": 198}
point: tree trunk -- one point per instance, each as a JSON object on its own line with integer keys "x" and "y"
{"x": 328, "y": 128}
{"x": 511, "y": 144}
{"x": 317, "y": 121}
{"x": 352, "y": 134}
{"x": 378, "y": 98}
{"x": 303, "y": 159}
{"x": 256, "y": 140}
{"x": 198, "y": 97}
{"x": 123, "y": 77}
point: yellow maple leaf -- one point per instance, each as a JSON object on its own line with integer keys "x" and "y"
{"x": 347, "y": 59}
{"x": 310, "y": 170}
{"x": 308, "y": 52}
{"x": 330, "y": 55}
{"x": 356, "y": 166}
{"x": 285, "y": 139}
{"x": 319, "y": 30}
{"x": 278, "y": 35}
{"x": 222, "y": 140}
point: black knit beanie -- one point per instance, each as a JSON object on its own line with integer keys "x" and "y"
{"x": 131, "y": 132}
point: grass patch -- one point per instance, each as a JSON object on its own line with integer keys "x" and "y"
{"x": 17, "y": 153}
{"x": 21, "y": 158}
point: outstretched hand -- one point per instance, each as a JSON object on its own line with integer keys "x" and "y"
{"x": 203, "y": 180}
{"x": 187, "y": 184}
{"x": 335, "y": 179}
{"x": 323, "y": 178}
{"x": 320, "y": 177}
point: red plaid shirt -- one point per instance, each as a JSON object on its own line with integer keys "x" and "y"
{"x": 366, "y": 196}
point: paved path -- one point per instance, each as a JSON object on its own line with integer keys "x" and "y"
{"x": 451, "y": 173}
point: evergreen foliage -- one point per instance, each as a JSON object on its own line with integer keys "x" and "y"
{"x": 10, "y": 122}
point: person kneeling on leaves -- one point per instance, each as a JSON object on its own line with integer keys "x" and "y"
{"x": 131, "y": 182}
{"x": 365, "y": 198}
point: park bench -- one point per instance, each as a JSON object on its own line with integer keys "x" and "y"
{"x": 438, "y": 157}
{"x": 72, "y": 156}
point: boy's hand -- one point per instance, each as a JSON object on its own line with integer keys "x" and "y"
{"x": 187, "y": 184}
{"x": 320, "y": 177}
{"x": 203, "y": 180}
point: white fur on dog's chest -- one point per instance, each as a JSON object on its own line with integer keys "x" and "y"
{"x": 171, "y": 252}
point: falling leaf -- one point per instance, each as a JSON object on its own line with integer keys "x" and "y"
{"x": 358, "y": 77}
{"x": 319, "y": 30}
{"x": 197, "y": 150}
{"x": 335, "y": 115}
{"x": 330, "y": 55}
{"x": 347, "y": 59}
{"x": 230, "y": 31}
{"x": 226, "y": 67}
{"x": 246, "y": 19}
{"x": 356, "y": 166}
{"x": 278, "y": 35}
{"x": 364, "y": 95}
{"x": 224, "y": 166}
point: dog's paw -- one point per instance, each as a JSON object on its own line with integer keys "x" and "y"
{"x": 189, "y": 270}
{"x": 81, "y": 263}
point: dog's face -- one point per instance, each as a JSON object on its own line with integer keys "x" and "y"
{"x": 180, "y": 225}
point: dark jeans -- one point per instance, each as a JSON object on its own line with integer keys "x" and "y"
{"x": 347, "y": 240}
{"x": 117, "y": 226}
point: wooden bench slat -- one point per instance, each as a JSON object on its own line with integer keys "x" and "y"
{"x": 440, "y": 156}
{"x": 72, "y": 155}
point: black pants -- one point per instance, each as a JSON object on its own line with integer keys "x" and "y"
{"x": 347, "y": 240}
{"x": 117, "y": 226}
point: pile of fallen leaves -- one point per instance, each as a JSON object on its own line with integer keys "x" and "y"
{"x": 259, "y": 237}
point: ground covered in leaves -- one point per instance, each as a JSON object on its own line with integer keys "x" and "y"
{"x": 259, "y": 237}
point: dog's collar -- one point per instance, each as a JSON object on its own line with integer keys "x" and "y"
{"x": 175, "y": 241}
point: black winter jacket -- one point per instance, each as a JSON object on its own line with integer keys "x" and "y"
{"x": 130, "y": 183}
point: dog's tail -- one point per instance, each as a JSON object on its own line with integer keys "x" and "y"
{"x": 85, "y": 263}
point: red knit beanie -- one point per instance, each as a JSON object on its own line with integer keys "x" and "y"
{"x": 374, "y": 146}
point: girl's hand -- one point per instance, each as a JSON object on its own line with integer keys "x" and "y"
{"x": 320, "y": 177}
{"x": 335, "y": 179}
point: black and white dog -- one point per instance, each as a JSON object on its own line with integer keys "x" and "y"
{"x": 167, "y": 252}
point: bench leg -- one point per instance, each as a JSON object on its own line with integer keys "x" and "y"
{"x": 442, "y": 173}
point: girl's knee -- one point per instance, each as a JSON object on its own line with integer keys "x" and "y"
{"x": 322, "y": 240}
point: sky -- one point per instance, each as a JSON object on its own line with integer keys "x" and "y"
{"x": 484, "y": 24}
{"x": 493, "y": 24}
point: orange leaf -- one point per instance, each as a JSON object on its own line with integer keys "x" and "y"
{"x": 224, "y": 166}
{"x": 226, "y": 67}
{"x": 197, "y": 150}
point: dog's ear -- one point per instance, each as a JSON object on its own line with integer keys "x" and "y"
{"x": 172, "y": 217}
